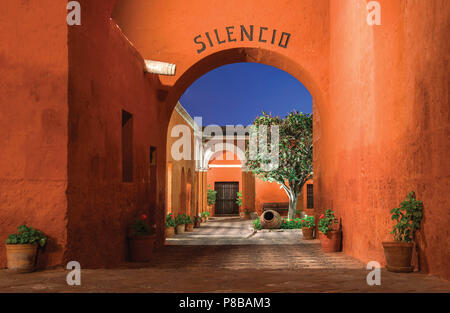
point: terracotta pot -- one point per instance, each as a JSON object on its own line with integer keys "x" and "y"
{"x": 398, "y": 256}
{"x": 21, "y": 258}
{"x": 197, "y": 223}
{"x": 141, "y": 248}
{"x": 180, "y": 229}
{"x": 204, "y": 219}
{"x": 189, "y": 227}
{"x": 270, "y": 219}
{"x": 170, "y": 231}
{"x": 331, "y": 242}
{"x": 308, "y": 233}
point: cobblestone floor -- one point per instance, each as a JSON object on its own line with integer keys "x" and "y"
{"x": 237, "y": 263}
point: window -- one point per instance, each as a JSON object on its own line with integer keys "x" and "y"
{"x": 127, "y": 147}
{"x": 309, "y": 196}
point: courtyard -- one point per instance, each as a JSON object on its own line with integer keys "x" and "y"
{"x": 225, "y": 258}
{"x": 141, "y": 140}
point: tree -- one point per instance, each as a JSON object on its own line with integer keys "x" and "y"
{"x": 295, "y": 144}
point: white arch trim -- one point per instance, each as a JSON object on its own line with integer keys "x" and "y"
{"x": 219, "y": 147}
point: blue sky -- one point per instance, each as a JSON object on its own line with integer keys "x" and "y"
{"x": 237, "y": 93}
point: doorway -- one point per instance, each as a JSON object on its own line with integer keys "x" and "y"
{"x": 226, "y": 198}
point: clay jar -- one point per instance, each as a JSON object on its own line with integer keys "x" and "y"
{"x": 170, "y": 231}
{"x": 398, "y": 256}
{"x": 141, "y": 248}
{"x": 270, "y": 219}
{"x": 308, "y": 233}
{"x": 331, "y": 242}
{"x": 21, "y": 258}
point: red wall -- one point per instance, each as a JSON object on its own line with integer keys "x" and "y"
{"x": 390, "y": 135}
{"x": 33, "y": 122}
{"x": 105, "y": 77}
{"x": 381, "y": 113}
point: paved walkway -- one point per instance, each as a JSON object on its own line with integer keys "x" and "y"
{"x": 237, "y": 262}
{"x": 234, "y": 231}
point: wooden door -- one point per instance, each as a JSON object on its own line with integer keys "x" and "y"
{"x": 226, "y": 198}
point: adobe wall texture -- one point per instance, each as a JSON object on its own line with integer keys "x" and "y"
{"x": 33, "y": 119}
{"x": 106, "y": 76}
{"x": 381, "y": 112}
{"x": 389, "y": 101}
{"x": 181, "y": 169}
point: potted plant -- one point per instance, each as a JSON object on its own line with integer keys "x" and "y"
{"x": 189, "y": 223}
{"x": 141, "y": 240}
{"x": 180, "y": 223}
{"x": 170, "y": 225}
{"x": 329, "y": 235}
{"x": 203, "y": 217}
{"x": 21, "y": 249}
{"x": 307, "y": 225}
{"x": 198, "y": 221}
{"x": 407, "y": 217}
{"x": 245, "y": 215}
{"x": 211, "y": 197}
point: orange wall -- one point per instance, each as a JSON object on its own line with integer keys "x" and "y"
{"x": 105, "y": 77}
{"x": 381, "y": 110}
{"x": 179, "y": 201}
{"x": 34, "y": 123}
{"x": 389, "y": 100}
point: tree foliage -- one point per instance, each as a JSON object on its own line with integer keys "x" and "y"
{"x": 295, "y": 162}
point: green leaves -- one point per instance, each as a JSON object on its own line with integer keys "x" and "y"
{"x": 408, "y": 217}
{"x": 211, "y": 196}
{"x": 295, "y": 148}
{"x": 326, "y": 221}
{"x": 170, "y": 221}
{"x": 239, "y": 198}
{"x": 257, "y": 224}
{"x": 26, "y": 235}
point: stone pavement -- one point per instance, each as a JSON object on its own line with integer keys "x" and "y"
{"x": 233, "y": 231}
{"x": 239, "y": 263}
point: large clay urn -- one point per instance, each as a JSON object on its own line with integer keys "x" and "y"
{"x": 270, "y": 219}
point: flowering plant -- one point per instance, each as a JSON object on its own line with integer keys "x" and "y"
{"x": 326, "y": 221}
{"x": 188, "y": 219}
{"x": 247, "y": 211}
{"x": 291, "y": 224}
{"x": 170, "y": 221}
{"x": 307, "y": 222}
{"x": 180, "y": 219}
{"x": 141, "y": 226}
